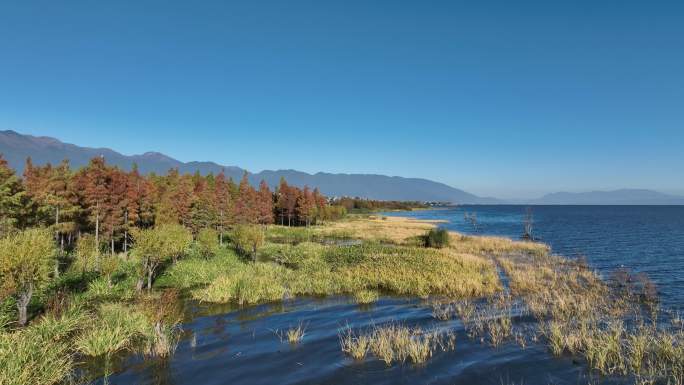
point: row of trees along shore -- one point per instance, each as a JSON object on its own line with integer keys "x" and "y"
{"x": 105, "y": 209}
{"x": 367, "y": 205}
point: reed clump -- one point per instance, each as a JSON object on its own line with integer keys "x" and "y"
{"x": 41, "y": 353}
{"x": 612, "y": 325}
{"x": 295, "y": 334}
{"x": 396, "y": 343}
{"x": 366, "y": 296}
{"x": 437, "y": 238}
{"x": 119, "y": 326}
{"x": 353, "y": 344}
{"x": 28, "y": 358}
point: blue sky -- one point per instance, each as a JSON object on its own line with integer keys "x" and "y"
{"x": 500, "y": 98}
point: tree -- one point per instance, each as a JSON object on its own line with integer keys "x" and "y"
{"x": 116, "y": 204}
{"x": 248, "y": 239}
{"x": 87, "y": 253}
{"x": 286, "y": 202}
{"x": 305, "y": 208}
{"x": 139, "y": 204}
{"x": 245, "y": 209}
{"x": 108, "y": 266}
{"x": 321, "y": 204}
{"x": 157, "y": 245}
{"x": 208, "y": 242}
{"x": 13, "y": 199}
{"x": 26, "y": 259}
{"x": 203, "y": 213}
{"x": 51, "y": 189}
{"x": 93, "y": 184}
{"x": 264, "y": 204}
{"x": 222, "y": 204}
{"x": 280, "y": 200}
{"x": 174, "y": 198}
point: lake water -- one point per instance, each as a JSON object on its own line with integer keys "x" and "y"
{"x": 241, "y": 347}
{"x": 222, "y": 345}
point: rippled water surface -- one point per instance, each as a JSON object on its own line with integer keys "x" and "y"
{"x": 241, "y": 347}
{"x": 222, "y": 345}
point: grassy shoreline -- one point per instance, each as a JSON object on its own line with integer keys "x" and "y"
{"x": 612, "y": 328}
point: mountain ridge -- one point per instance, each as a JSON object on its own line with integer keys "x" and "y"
{"x": 625, "y": 196}
{"x": 16, "y": 147}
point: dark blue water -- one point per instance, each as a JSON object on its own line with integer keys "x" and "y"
{"x": 647, "y": 239}
{"x": 240, "y": 347}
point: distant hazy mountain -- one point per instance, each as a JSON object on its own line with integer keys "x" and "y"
{"x": 616, "y": 197}
{"x": 375, "y": 186}
{"x": 16, "y": 148}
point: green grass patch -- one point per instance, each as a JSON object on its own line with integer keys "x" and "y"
{"x": 314, "y": 269}
{"x": 198, "y": 271}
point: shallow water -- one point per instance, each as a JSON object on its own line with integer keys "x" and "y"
{"x": 241, "y": 347}
{"x": 225, "y": 345}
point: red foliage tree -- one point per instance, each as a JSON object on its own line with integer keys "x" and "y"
{"x": 265, "y": 204}
{"x": 222, "y": 204}
{"x": 245, "y": 208}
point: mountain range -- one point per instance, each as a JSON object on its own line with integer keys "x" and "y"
{"x": 615, "y": 197}
{"x": 16, "y": 147}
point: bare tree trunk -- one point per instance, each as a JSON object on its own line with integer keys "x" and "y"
{"x": 97, "y": 223}
{"x": 61, "y": 246}
{"x": 141, "y": 280}
{"x": 22, "y": 304}
{"x": 221, "y": 229}
{"x": 97, "y": 237}
{"x": 149, "y": 279}
{"x": 125, "y": 245}
{"x": 140, "y": 284}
